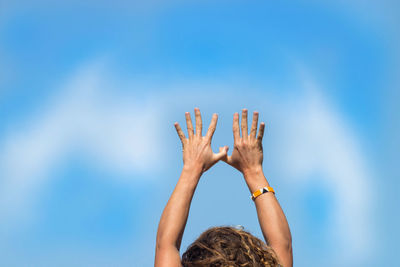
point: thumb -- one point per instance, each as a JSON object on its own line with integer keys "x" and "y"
{"x": 222, "y": 154}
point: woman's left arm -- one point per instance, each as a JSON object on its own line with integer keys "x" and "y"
{"x": 198, "y": 157}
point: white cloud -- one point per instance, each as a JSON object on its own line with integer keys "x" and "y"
{"x": 314, "y": 138}
{"x": 307, "y": 136}
{"x": 118, "y": 133}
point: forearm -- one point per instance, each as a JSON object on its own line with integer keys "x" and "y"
{"x": 272, "y": 220}
{"x": 197, "y": 158}
{"x": 174, "y": 217}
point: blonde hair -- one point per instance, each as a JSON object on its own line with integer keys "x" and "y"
{"x": 229, "y": 247}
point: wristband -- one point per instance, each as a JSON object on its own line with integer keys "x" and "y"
{"x": 261, "y": 191}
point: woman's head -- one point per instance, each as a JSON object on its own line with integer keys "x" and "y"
{"x": 228, "y": 246}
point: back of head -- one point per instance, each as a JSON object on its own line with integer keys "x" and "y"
{"x": 228, "y": 246}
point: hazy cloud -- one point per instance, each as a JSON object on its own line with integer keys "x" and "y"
{"x": 84, "y": 117}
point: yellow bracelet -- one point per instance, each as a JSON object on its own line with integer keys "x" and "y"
{"x": 261, "y": 191}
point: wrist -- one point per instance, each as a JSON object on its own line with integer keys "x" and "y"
{"x": 255, "y": 179}
{"x": 192, "y": 169}
{"x": 253, "y": 172}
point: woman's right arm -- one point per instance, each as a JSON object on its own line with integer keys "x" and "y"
{"x": 272, "y": 220}
{"x": 247, "y": 157}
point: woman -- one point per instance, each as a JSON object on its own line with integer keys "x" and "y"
{"x": 224, "y": 246}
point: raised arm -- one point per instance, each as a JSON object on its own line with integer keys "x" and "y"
{"x": 197, "y": 158}
{"x": 247, "y": 157}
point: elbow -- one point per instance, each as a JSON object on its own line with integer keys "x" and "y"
{"x": 284, "y": 251}
{"x": 283, "y": 242}
{"x": 287, "y": 244}
{"x": 161, "y": 242}
{"x": 282, "y": 246}
{"x": 289, "y": 248}
{"x": 160, "y": 246}
{"x": 164, "y": 242}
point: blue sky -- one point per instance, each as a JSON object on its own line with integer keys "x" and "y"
{"x": 89, "y": 93}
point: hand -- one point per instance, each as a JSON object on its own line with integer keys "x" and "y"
{"x": 247, "y": 155}
{"x": 197, "y": 152}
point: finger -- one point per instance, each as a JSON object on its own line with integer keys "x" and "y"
{"x": 199, "y": 124}
{"x": 189, "y": 125}
{"x": 213, "y": 125}
{"x": 225, "y": 158}
{"x": 222, "y": 154}
{"x": 244, "y": 123}
{"x": 228, "y": 160}
{"x": 261, "y": 132}
{"x": 253, "y": 131}
{"x": 180, "y": 132}
{"x": 235, "y": 127}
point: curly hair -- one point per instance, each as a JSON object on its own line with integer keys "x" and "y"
{"x": 229, "y": 247}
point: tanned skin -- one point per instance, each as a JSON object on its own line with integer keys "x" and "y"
{"x": 198, "y": 157}
{"x": 247, "y": 157}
